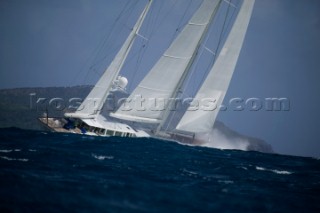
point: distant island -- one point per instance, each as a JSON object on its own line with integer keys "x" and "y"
{"x": 22, "y": 106}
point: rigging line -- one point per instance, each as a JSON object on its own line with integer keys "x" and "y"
{"x": 228, "y": 24}
{"x": 199, "y": 53}
{"x": 219, "y": 42}
{"x": 142, "y": 48}
{"x": 106, "y": 44}
{"x": 125, "y": 21}
{"x": 196, "y": 64}
{"x": 145, "y": 43}
{"x": 155, "y": 20}
{"x": 192, "y": 72}
{"x": 95, "y": 52}
{"x": 137, "y": 66}
{"x": 181, "y": 20}
{"x": 200, "y": 50}
{"x": 229, "y": 2}
{"x": 198, "y": 58}
{"x": 102, "y": 64}
{"x": 173, "y": 114}
{"x": 194, "y": 68}
{"x": 182, "y": 92}
{"x": 166, "y": 16}
{"x": 136, "y": 54}
{"x": 149, "y": 20}
{"x": 99, "y": 47}
{"x": 223, "y": 30}
{"x": 98, "y": 65}
{"x": 230, "y": 19}
{"x": 170, "y": 121}
{"x": 155, "y": 28}
{"x": 185, "y": 13}
{"x": 149, "y": 25}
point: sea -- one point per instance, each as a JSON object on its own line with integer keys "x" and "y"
{"x": 56, "y": 172}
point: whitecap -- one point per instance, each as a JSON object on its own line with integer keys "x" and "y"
{"x": 6, "y": 150}
{"x": 260, "y": 168}
{"x": 32, "y": 150}
{"x": 225, "y": 190}
{"x": 226, "y": 181}
{"x": 280, "y": 172}
{"x": 243, "y": 167}
{"x": 190, "y": 173}
{"x": 14, "y": 159}
{"x": 102, "y": 157}
{"x": 17, "y": 150}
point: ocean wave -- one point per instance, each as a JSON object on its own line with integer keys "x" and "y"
{"x": 110, "y": 174}
{"x": 243, "y": 167}
{"x": 226, "y": 181}
{"x": 102, "y": 157}
{"x": 281, "y": 172}
{"x": 189, "y": 173}
{"x": 14, "y": 159}
{"x": 10, "y": 150}
{"x": 6, "y": 150}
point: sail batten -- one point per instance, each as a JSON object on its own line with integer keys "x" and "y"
{"x": 176, "y": 57}
{"x": 217, "y": 82}
{"x": 191, "y": 23}
{"x": 166, "y": 75}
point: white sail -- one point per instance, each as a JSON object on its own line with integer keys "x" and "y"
{"x": 162, "y": 82}
{"x": 91, "y": 106}
{"x": 219, "y": 77}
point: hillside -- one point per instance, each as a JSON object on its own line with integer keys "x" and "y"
{"x": 19, "y": 107}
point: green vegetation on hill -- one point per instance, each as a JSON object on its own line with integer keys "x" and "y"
{"x": 19, "y": 107}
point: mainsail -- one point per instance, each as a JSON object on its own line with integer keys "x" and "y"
{"x": 164, "y": 79}
{"x": 91, "y": 106}
{"x": 219, "y": 77}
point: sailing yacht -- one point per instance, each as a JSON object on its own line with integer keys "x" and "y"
{"x": 163, "y": 84}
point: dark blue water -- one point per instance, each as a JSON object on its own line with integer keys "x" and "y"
{"x": 51, "y": 172}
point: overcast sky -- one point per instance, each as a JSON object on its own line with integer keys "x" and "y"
{"x": 69, "y": 42}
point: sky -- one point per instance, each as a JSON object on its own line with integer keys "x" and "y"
{"x": 65, "y": 43}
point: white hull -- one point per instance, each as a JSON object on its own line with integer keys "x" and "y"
{"x": 121, "y": 130}
{"x": 92, "y": 127}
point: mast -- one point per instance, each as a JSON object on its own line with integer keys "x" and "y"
{"x": 217, "y": 82}
{"x": 166, "y": 77}
{"x": 183, "y": 78}
{"x": 92, "y": 105}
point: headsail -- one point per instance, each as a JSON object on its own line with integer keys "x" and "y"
{"x": 219, "y": 77}
{"x": 93, "y": 103}
{"x": 162, "y": 82}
